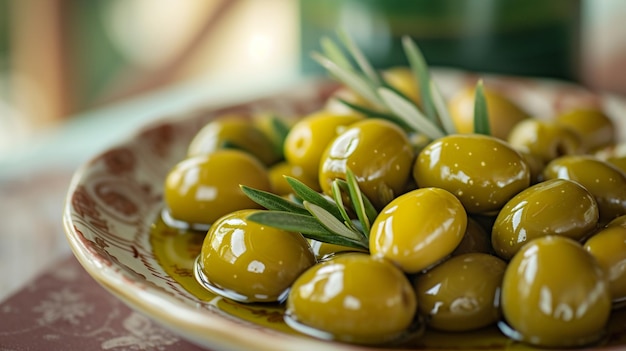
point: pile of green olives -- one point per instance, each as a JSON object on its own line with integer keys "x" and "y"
{"x": 522, "y": 230}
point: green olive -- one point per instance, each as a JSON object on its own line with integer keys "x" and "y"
{"x": 608, "y": 246}
{"x": 482, "y": 171}
{"x": 379, "y": 154}
{"x": 249, "y": 262}
{"x": 277, "y": 174}
{"x": 475, "y": 240}
{"x": 553, "y": 207}
{"x": 603, "y": 180}
{"x": 618, "y": 221}
{"x": 596, "y": 128}
{"x": 546, "y": 140}
{"x": 461, "y": 293}
{"x": 619, "y": 162}
{"x": 352, "y": 297}
{"x": 504, "y": 114}
{"x": 418, "y": 229}
{"x": 200, "y": 189}
{"x": 307, "y": 139}
{"x": 555, "y": 294}
{"x": 233, "y": 131}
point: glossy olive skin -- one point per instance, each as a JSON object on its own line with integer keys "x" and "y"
{"x": 504, "y": 114}
{"x": 482, "y": 171}
{"x": 619, "y": 162}
{"x": 280, "y": 186}
{"x": 545, "y": 140}
{"x": 307, "y": 139}
{"x": 202, "y": 188}
{"x": 618, "y": 221}
{"x": 233, "y": 131}
{"x": 608, "y": 246}
{"x": 553, "y": 207}
{"x": 462, "y": 293}
{"x": 555, "y": 294}
{"x": 603, "y": 180}
{"x": 352, "y": 297}
{"x": 251, "y": 262}
{"x": 413, "y": 235}
{"x": 596, "y": 129}
{"x": 379, "y": 154}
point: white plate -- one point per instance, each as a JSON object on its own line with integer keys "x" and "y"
{"x": 115, "y": 198}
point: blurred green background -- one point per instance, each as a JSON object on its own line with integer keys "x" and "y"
{"x": 62, "y": 57}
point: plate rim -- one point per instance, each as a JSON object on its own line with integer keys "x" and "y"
{"x": 217, "y": 332}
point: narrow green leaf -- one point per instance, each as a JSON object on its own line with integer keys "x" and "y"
{"x": 337, "y": 195}
{"x": 280, "y": 129}
{"x": 351, "y": 79}
{"x": 442, "y": 110}
{"x": 410, "y": 114}
{"x": 481, "y": 114}
{"x": 422, "y": 76}
{"x": 272, "y": 201}
{"x": 331, "y": 223}
{"x": 370, "y": 210}
{"x": 308, "y": 226}
{"x": 359, "y": 57}
{"x": 375, "y": 114}
{"x": 309, "y": 195}
{"x": 334, "y": 53}
{"x": 357, "y": 201}
{"x": 292, "y": 222}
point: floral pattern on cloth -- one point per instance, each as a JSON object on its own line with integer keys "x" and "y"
{"x": 65, "y": 309}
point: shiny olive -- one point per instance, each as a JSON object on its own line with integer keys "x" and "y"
{"x": 250, "y": 262}
{"x": 555, "y": 294}
{"x": 402, "y": 79}
{"x": 596, "y": 129}
{"x": 618, "y": 221}
{"x": 202, "y": 188}
{"x": 352, "y": 297}
{"x": 307, "y": 139}
{"x": 546, "y": 140}
{"x": 418, "y": 229}
{"x": 280, "y": 186}
{"x": 619, "y": 162}
{"x": 379, "y": 154}
{"x": 475, "y": 240}
{"x": 482, "y": 171}
{"x": 553, "y": 207}
{"x": 461, "y": 293}
{"x": 608, "y": 246}
{"x": 504, "y": 114}
{"x": 603, "y": 180}
{"x": 233, "y": 131}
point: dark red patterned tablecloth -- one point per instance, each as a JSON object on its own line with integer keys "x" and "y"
{"x": 65, "y": 309}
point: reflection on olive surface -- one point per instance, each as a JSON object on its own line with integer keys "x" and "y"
{"x": 555, "y": 294}
{"x": 462, "y": 293}
{"x": 554, "y": 207}
{"x": 458, "y": 164}
{"x": 255, "y": 262}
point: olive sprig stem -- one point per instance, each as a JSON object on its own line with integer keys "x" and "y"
{"x": 318, "y": 217}
{"x": 389, "y": 103}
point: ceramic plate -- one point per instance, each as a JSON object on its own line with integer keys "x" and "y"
{"x": 112, "y": 222}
